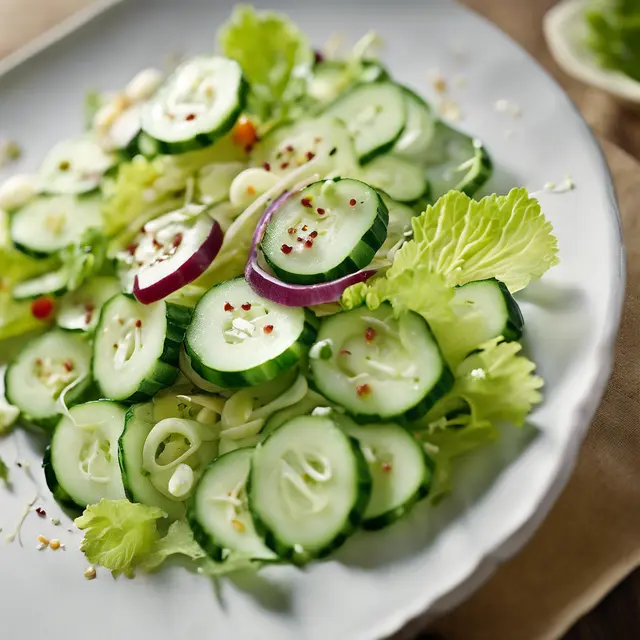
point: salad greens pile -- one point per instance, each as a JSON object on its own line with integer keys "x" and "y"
{"x": 614, "y": 35}
{"x": 260, "y": 306}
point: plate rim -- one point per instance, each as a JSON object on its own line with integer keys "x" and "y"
{"x": 421, "y": 611}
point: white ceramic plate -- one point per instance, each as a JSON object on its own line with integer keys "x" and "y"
{"x": 377, "y": 582}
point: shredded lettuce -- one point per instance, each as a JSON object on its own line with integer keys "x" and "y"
{"x": 275, "y": 57}
{"x": 84, "y": 259}
{"x": 119, "y": 535}
{"x": 178, "y": 541}
{"x": 614, "y": 35}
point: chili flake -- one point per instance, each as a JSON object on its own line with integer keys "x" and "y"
{"x": 306, "y": 202}
{"x": 369, "y": 334}
{"x": 284, "y": 165}
{"x": 319, "y": 57}
{"x": 131, "y": 249}
{"x": 41, "y": 512}
{"x": 177, "y": 241}
{"x": 268, "y": 328}
{"x": 246, "y": 306}
{"x": 313, "y": 234}
{"x": 68, "y": 366}
{"x": 363, "y": 390}
{"x": 352, "y": 202}
{"x": 344, "y": 352}
{"x": 299, "y": 239}
{"x": 310, "y": 155}
{"x": 244, "y": 132}
{"x": 291, "y": 230}
{"x": 305, "y": 227}
{"x": 138, "y": 323}
{"x": 286, "y": 249}
{"x": 251, "y": 190}
{"x": 386, "y": 467}
{"x": 228, "y": 306}
{"x": 42, "y": 307}
{"x": 308, "y": 244}
{"x": 191, "y": 116}
{"x": 266, "y": 166}
{"x": 288, "y": 148}
{"x": 320, "y": 211}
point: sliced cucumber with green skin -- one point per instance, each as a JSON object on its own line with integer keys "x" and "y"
{"x": 323, "y": 141}
{"x": 151, "y": 487}
{"x": 375, "y": 115}
{"x": 402, "y": 179}
{"x": 454, "y": 161}
{"x": 401, "y": 471}
{"x": 308, "y": 489}
{"x": 81, "y": 463}
{"x": 54, "y": 283}
{"x": 332, "y": 77}
{"x": 79, "y": 310}
{"x": 325, "y": 231}
{"x": 218, "y": 512}
{"x": 50, "y": 223}
{"x": 197, "y": 105}
{"x": 382, "y": 366}
{"x": 419, "y": 130}
{"x": 302, "y": 408}
{"x": 136, "y": 347}
{"x": 399, "y": 229}
{"x": 45, "y": 367}
{"x": 238, "y": 339}
{"x": 499, "y": 310}
{"x": 74, "y": 166}
{"x": 214, "y": 181}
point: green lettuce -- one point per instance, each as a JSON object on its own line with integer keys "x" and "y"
{"x": 613, "y": 35}
{"x": 8, "y": 415}
{"x": 275, "y": 56}
{"x": 178, "y": 541}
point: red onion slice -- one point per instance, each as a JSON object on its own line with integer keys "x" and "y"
{"x": 292, "y": 295}
{"x": 196, "y": 249}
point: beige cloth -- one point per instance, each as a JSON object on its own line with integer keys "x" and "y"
{"x": 591, "y": 539}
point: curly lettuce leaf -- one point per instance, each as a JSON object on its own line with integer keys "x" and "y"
{"x": 503, "y": 237}
{"x": 613, "y": 35}
{"x": 178, "y": 541}
{"x": 119, "y": 535}
{"x": 275, "y": 57}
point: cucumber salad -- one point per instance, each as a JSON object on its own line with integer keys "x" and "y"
{"x": 259, "y": 305}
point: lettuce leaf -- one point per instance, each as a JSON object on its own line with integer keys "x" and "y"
{"x": 614, "y": 35}
{"x": 275, "y": 57}
{"x": 119, "y": 534}
{"x": 8, "y": 415}
{"x": 178, "y": 541}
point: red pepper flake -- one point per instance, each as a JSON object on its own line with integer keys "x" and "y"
{"x": 313, "y": 234}
{"x": 268, "y": 328}
{"x": 320, "y": 211}
{"x": 248, "y": 148}
{"x": 386, "y": 467}
{"x": 42, "y": 307}
{"x": 228, "y": 306}
{"x": 246, "y": 306}
{"x": 191, "y": 116}
{"x": 308, "y": 244}
{"x": 352, "y": 202}
{"x": 344, "y": 352}
{"x": 266, "y": 166}
{"x": 138, "y": 323}
{"x": 286, "y": 249}
{"x": 291, "y": 230}
{"x": 177, "y": 241}
{"x": 369, "y": 334}
{"x": 68, "y": 365}
{"x": 310, "y": 155}
{"x": 304, "y": 227}
{"x": 289, "y": 148}
{"x": 156, "y": 244}
{"x": 41, "y": 512}
{"x": 251, "y": 190}
{"x": 306, "y": 202}
{"x": 284, "y": 165}
{"x": 300, "y": 239}
{"x": 318, "y": 56}
{"x": 131, "y": 249}
{"x": 363, "y": 390}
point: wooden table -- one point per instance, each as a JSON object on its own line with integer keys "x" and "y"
{"x": 618, "y": 616}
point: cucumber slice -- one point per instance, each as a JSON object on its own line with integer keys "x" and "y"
{"x": 492, "y": 300}
{"x": 419, "y": 130}
{"x": 136, "y": 347}
{"x": 375, "y": 115}
{"x": 125, "y": 130}
{"x": 219, "y": 514}
{"x": 331, "y": 77}
{"x": 324, "y": 141}
{"x": 74, "y": 167}
{"x": 214, "y": 181}
{"x": 81, "y": 463}
{"x": 401, "y": 472}
{"x": 54, "y": 283}
{"x": 150, "y": 486}
{"x": 238, "y": 339}
{"x": 328, "y": 230}
{"x": 381, "y": 366}
{"x": 47, "y": 366}
{"x": 403, "y": 180}
{"x": 51, "y": 223}
{"x": 308, "y": 488}
{"x": 399, "y": 229}
{"x": 79, "y": 310}
{"x": 197, "y": 105}
{"x": 304, "y": 407}
{"x": 456, "y": 161}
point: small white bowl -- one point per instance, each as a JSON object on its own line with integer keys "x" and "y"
{"x": 565, "y": 30}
